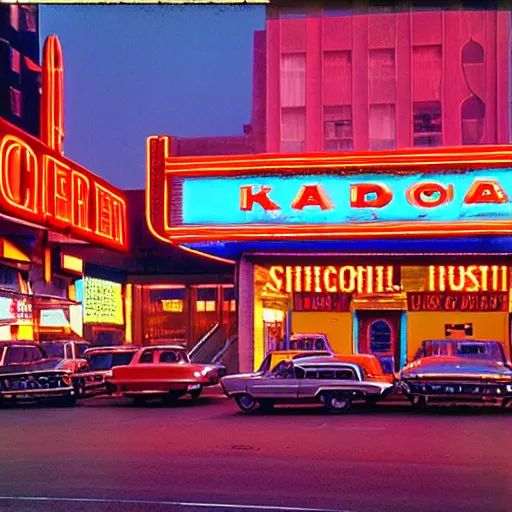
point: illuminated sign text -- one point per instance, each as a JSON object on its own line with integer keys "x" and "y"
{"x": 330, "y": 279}
{"x": 471, "y": 279}
{"x": 478, "y": 302}
{"x": 103, "y": 301}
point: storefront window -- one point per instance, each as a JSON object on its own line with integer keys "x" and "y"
{"x": 164, "y": 316}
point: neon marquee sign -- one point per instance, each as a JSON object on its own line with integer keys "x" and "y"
{"x": 38, "y": 184}
{"x": 330, "y": 279}
{"x": 401, "y": 194}
{"x": 469, "y": 279}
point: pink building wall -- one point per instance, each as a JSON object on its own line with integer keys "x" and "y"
{"x": 367, "y": 69}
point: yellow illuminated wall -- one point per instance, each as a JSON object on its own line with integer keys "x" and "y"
{"x": 103, "y": 302}
{"x": 336, "y": 326}
{"x": 426, "y": 325}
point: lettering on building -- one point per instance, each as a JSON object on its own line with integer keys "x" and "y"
{"x": 424, "y": 194}
{"x": 470, "y": 279}
{"x": 321, "y": 302}
{"x": 477, "y": 302}
{"x": 330, "y": 279}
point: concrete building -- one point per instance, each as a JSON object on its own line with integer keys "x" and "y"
{"x": 342, "y": 80}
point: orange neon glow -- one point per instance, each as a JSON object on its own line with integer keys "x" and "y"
{"x": 359, "y": 195}
{"x": 423, "y": 195}
{"x": 470, "y": 279}
{"x": 486, "y": 191}
{"x": 330, "y": 279}
{"x": 47, "y": 265}
{"x": 38, "y": 184}
{"x": 163, "y": 170}
{"x": 312, "y": 195}
{"x": 72, "y": 263}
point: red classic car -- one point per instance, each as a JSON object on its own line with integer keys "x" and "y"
{"x": 163, "y": 372}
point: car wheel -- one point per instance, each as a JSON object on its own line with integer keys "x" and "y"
{"x": 139, "y": 400}
{"x": 195, "y": 394}
{"x": 336, "y": 403}
{"x": 171, "y": 397}
{"x": 68, "y": 401}
{"x": 246, "y": 402}
{"x": 265, "y": 405}
{"x": 418, "y": 402}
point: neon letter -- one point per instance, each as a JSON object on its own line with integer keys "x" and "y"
{"x": 485, "y": 191}
{"x": 328, "y": 284}
{"x": 276, "y": 281}
{"x": 312, "y": 195}
{"x": 360, "y": 191}
{"x": 429, "y": 195}
{"x": 248, "y": 198}
{"x": 81, "y": 187}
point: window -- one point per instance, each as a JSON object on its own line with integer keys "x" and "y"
{"x": 345, "y": 375}
{"x": 473, "y": 119}
{"x": 382, "y": 77}
{"x": 147, "y": 357}
{"x": 15, "y": 101}
{"x": 29, "y": 23}
{"x": 169, "y": 357}
{"x": 338, "y": 128}
{"x": 15, "y": 354}
{"x": 228, "y": 299}
{"x": 15, "y": 61}
{"x": 206, "y": 299}
{"x": 380, "y": 336}
{"x": 293, "y": 130}
{"x": 382, "y": 127}
{"x": 14, "y": 14}
{"x": 427, "y": 123}
{"x": 293, "y": 80}
{"x": 337, "y": 78}
{"x": 426, "y": 73}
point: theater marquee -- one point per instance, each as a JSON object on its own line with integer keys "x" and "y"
{"x": 406, "y": 194}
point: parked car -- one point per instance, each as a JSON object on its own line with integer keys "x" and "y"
{"x": 276, "y": 356}
{"x": 71, "y": 351}
{"x": 310, "y": 342}
{"x": 101, "y": 360}
{"x": 457, "y": 372}
{"x": 28, "y": 374}
{"x": 318, "y": 379}
{"x": 163, "y": 372}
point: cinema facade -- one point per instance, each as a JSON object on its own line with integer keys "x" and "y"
{"x": 378, "y": 250}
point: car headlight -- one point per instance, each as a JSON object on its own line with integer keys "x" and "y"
{"x": 509, "y": 388}
{"x": 197, "y": 375}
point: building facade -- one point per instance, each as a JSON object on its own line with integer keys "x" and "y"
{"x": 20, "y": 72}
{"x": 354, "y": 81}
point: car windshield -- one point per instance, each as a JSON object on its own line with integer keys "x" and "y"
{"x": 265, "y": 365}
{"x": 491, "y": 350}
{"x": 54, "y": 349}
{"x": 80, "y": 349}
{"x": 307, "y": 343}
{"x": 106, "y": 361}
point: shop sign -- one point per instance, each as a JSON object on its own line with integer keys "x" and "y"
{"x": 330, "y": 279}
{"x": 456, "y": 192}
{"x": 321, "y": 302}
{"x": 103, "y": 301}
{"x": 477, "y": 302}
{"x": 471, "y": 279}
{"x": 38, "y": 184}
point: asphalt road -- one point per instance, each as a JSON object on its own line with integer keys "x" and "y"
{"x": 109, "y": 455}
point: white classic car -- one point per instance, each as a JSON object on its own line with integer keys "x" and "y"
{"x": 317, "y": 379}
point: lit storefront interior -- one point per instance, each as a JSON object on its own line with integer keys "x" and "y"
{"x": 184, "y": 314}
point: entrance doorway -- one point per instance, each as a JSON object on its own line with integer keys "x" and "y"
{"x": 379, "y": 334}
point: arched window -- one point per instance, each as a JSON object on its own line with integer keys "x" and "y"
{"x": 380, "y": 337}
{"x": 473, "y": 117}
{"x": 472, "y": 53}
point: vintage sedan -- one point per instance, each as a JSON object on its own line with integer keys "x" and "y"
{"x": 163, "y": 372}
{"x": 101, "y": 360}
{"x": 28, "y": 374}
{"x": 458, "y": 372}
{"x": 327, "y": 380}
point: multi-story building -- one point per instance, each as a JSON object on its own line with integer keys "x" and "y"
{"x": 20, "y": 73}
{"x": 342, "y": 80}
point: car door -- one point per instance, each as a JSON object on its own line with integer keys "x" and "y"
{"x": 278, "y": 384}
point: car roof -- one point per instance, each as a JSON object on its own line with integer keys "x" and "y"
{"x": 323, "y": 360}
{"x": 164, "y": 347}
{"x": 78, "y": 342}
{"x": 307, "y": 335}
{"x": 114, "y": 348}
{"x": 461, "y": 340}
{"x": 19, "y": 342}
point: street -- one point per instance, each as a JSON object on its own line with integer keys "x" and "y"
{"x": 210, "y": 456}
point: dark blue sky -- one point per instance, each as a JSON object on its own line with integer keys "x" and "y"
{"x": 135, "y": 71}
